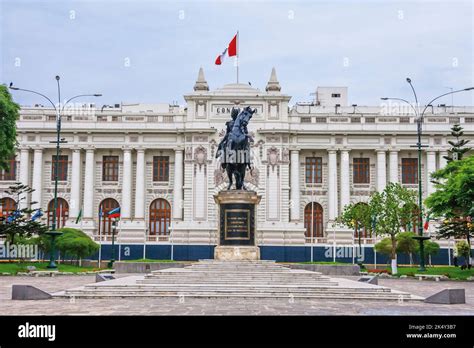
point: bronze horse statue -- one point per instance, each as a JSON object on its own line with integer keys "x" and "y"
{"x": 235, "y": 147}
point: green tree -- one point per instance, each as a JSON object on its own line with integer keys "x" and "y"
{"x": 9, "y": 114}
{"x": 453, "y": 199}
{"x": 20, "y": 224}
{"x": 431, "y": 249}
{"x": 406, "y": 244}
{"x": 356, "y": 216}
{"x": 389, "y": 209}
{"x": 384, "y": 247}
{"x": 458, "y": 146}
{"x": 464, "y": 250}
{"x": 75, "y": 244}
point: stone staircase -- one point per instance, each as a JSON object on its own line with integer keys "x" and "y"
{"x": 231, "y": 279}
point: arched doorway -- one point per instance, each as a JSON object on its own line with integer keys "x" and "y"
{"x": 62, "y": 212}
{"x": 313, "y": 220}
{"x": 7, "y": 207}
{"x": 160, "y": 217}
{"x": 105, "y": 222}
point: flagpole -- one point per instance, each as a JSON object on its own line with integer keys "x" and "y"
{"x": 238, "y": 62}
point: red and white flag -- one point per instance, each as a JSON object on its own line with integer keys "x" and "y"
{"x": 220, "y": 57}
{"x": 231, "y": 50}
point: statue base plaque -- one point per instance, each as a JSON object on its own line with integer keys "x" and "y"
{"x": 228, "y": 253}
{"x": 237, "y": 209}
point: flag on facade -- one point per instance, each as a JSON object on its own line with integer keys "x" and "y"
{"x": 100, "y": 212}
{"x": 231, "y": 50}
{"x": 37, "y": 215}
{"x": 114, "y": 213}
{"x": 79, "y": 216}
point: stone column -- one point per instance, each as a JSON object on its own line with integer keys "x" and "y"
{"x": 442, "y": 160}
{"x": 126, "y": 184}
{"x": 332, "y": 184}
{"x": 75, "y": 203}
{"x": 89, "y": 177}
{"x": 345, "y": 175}
{"x": 393, "y": 166}
{"x": 24, "y": 176}
{"x": 37, "y": 183}
{"x": 178, "y": 185}
{"x": 381, "y": 170}
{"x": 295, "y": 185}
{"x": 430, "y": 168}
{"x": 140, "y": 185}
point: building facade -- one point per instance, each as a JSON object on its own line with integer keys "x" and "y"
{"x": 157, "y": 163}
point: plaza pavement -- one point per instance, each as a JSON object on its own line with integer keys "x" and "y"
{"x": 233, "y": 306}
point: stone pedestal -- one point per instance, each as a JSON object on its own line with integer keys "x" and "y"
{"x": 237, "y": 211}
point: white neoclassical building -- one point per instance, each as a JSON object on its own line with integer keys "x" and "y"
{"x": 157, "y": 163}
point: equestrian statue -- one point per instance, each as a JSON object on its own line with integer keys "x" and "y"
{"x": 234, "y": 149}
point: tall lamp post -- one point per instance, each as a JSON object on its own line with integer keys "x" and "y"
{"x": 53, "y": 232}
{"x": 419, "y": 119}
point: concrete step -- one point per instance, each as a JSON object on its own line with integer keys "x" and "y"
{"x": 236, "y": 279}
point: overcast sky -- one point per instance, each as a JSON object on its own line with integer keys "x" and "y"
{"x": 150, "y": 51}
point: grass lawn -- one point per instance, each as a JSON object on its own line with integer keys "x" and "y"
{"x": 15, "y": 267}
{"x": 150, "y": 260}
{"x": 449, "y": 271}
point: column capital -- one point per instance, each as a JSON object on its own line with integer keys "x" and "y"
{"x": 332, "y": 151}
{"x": 38, "y": 149}
{"x": 381, "y": 151}
{"x": 24, "y": 148}
{"x": 127, "y": 148}
{"x": 90, "y": 149}
{"x": 140, "y": 149}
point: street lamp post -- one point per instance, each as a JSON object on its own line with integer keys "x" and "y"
{"x": 420, "y": 237}
{"x": 53, "y": 232}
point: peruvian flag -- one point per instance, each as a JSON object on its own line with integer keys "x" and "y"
{"x": 427, "y": 222}
{"x": 231, "y": 50}
{"x": 220, "y": 58}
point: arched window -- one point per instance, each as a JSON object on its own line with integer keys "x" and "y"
{"x": 313, "y": 212}
{"x": 62, "y": 212}
{"x": 7, "y": 207}
{"x": 365, "y": 231}
{"x": 160, "y": 217}
{"x": 105, "y": 222}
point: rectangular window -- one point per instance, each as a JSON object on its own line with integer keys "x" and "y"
{"x": 62, "y": 168}
{"x": 110, "y": 168}
{"x": 161, "y": 168}
{"x": 409, "y": 170}
{"x": 10, "y": 174}
{"x": 336, "y": 95}
{"x": 361, "y": 170}
{"x": 314, "y": 170}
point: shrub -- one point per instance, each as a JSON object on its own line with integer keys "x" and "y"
{"x": 75, "y": 244}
